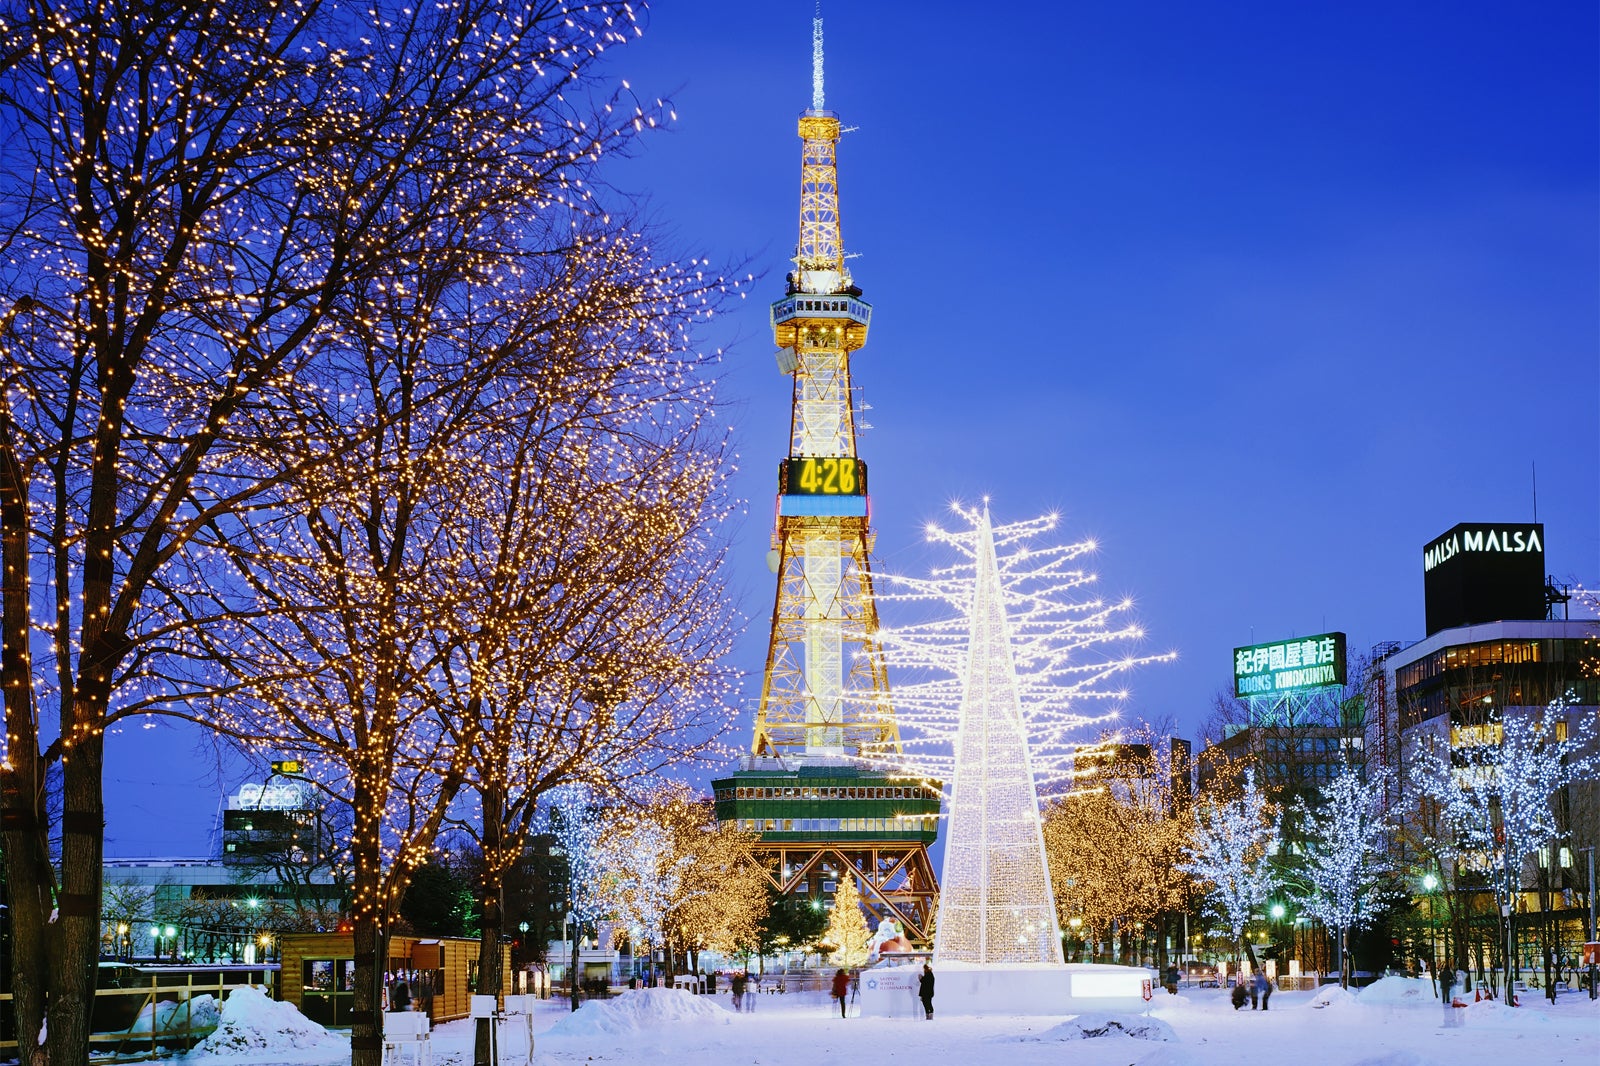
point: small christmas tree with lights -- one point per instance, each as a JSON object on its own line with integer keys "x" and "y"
{"x": 847, "y": 926}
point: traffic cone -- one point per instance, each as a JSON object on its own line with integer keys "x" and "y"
{"x": 1477, "y": 995}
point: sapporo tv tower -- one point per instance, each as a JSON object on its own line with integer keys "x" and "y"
{"x": 822, "y": 811}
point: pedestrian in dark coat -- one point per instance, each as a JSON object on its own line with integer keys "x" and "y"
{"x": 1264, "y": 987}
{"x": 1239, "y": 994}
{"x": 925, "y": 989}
{"x": 400, "y": 996}
{"x": 738, "y": 984}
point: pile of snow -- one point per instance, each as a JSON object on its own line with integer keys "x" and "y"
{"x": 251, "y": 1023}
{"x": 1399, "y": 992}
{"x": 642, "y": 1008}
{"x": 1332, "y": 996}
{"x": 1090, "y": 1026}
{"x": 1494, "y": 1012}
{"x": 170, "y": 1016}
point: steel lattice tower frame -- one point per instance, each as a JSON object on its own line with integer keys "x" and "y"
{"x": 825, "y": 693}
{"x": 824, "y": 690}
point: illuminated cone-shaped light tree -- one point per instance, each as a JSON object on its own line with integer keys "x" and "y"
{"x": 996, "y": 904}
{"x": 1024, "y": 667}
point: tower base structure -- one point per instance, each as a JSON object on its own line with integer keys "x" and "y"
{"x": 1048, "y": 989}
{"x": 823, "y": 818}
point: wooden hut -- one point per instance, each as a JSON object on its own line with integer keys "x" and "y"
{"x": 318, "y": 974}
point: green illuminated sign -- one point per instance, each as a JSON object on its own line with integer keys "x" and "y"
{"x": 1288, "y": 665}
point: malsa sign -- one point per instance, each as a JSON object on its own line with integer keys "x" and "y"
{"x": 1484, "y": 572}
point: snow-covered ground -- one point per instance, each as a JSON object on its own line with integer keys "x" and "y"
{"x": 1393, "y": 1023}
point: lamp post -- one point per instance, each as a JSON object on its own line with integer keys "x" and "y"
{"x": 572, "y": 972}
{"x": 1593, "y": 933}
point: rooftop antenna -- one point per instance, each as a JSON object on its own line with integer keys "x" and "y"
{"x": 817, "y": 98}
{"x": 1534, "y": 465}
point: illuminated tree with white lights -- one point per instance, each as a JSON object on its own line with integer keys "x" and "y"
{"x": 1344, "y": 848}
{"x": 643, "y": 871}
{"x": 1021, "y": 665}
{"x": 1229, "y": 853}
{"x": 1495, "y": 787}
{"x": 577, "y": 822}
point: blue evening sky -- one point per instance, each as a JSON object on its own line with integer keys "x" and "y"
{"x": 1262, "y": 296}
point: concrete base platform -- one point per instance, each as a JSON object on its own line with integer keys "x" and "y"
{"x": 1075, "y": 988}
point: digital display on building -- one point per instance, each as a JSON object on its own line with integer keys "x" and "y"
{"x": 1484, "y": 572}
{"x": 822, "y": 476}
{"x": 1289, "y": 665}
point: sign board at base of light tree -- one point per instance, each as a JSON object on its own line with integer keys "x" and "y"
{"x": 1289, "y": 665}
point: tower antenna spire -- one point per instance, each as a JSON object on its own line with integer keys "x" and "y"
{"x": 818, "y": 100}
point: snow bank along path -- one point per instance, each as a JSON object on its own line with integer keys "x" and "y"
{"x": 642, "y": 1008}
{"x": 251, "y": 1024}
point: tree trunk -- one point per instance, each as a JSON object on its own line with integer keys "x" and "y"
{"x": 24, "y": 829}
{"x": 572, "y": 974}
{"x": 490, "y": 977}
{"x": 76, "y": 932}
{"x": 370, "y": 907}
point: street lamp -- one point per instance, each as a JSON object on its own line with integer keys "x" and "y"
{"x": 172, "y": 942}
{"x": 1429, "y": 884}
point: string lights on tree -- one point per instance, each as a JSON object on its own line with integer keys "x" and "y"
{"x": 1494, "y": 785}
{"x": 1229, "y": 854}
{"x": 1344, "y": 853}
{"x": 277, "y": 275}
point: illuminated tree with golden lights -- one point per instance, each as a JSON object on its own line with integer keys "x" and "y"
{"x": 507, "y": 581}
{"x": 720, "y": 898}
{"x": 1115, "y": 840}
{"x": 586, "y": 616}
{"x": 847, "y": 937}
{"x": 228, "y": 229}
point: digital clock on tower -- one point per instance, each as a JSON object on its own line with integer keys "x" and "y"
{"x": 823, "y": 476}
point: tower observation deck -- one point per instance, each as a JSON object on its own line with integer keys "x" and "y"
{"x": 821, "y": 809}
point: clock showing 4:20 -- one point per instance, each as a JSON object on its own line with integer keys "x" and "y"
{"x": 823, "y": 476}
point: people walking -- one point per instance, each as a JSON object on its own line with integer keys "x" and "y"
{"x": 1263, "y": 987}
{"x": 855, "y": 983}
{"x": 737, "y": 984}
{"x": 841, "y": 989}
{"x": 925, "y": 989}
